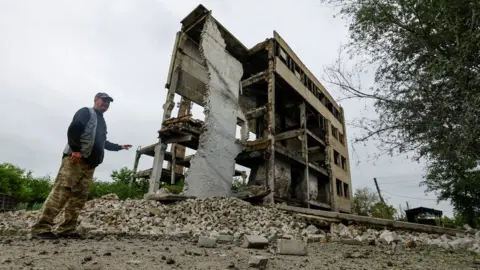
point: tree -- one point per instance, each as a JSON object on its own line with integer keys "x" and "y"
{"x": 237, "y": 184}
{"x": 426, "y": 60}
{"x": 367, "y": 203}
{"x": 12, "y": 180}
{"x": 125, "y": 175}
{"x": 379, "y": 210}
{"x": 455, "y": 182}
{"x": 363, "y": 201}
{"x": 37, "y": 189}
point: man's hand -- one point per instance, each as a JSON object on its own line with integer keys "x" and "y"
{"x": 76, "y": 157}
{"x": 126, "y": 146}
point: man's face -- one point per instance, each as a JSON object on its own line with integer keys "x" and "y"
{"x": 102, "y": 104}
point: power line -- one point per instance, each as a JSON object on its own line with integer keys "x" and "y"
{"x": 413, "y": 198}
{"x": 399, "y": 182}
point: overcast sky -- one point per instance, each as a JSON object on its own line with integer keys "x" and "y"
{"x": 56, "y": 55}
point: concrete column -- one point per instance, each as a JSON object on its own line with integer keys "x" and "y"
{"x": 270, "y": 130}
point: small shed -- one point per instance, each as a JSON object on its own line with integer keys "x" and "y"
{"x": 423, "y": 215}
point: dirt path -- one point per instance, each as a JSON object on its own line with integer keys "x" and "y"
{"x": 20, "y": 253}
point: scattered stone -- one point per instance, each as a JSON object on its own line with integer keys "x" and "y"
{"x": 291, "y": 247}
{"x": 388, "y": 237}
{"x": 43, "y": 252}
{"x": 134, "y": 262}
{"x": 317, "y": 238}
{"x": 310, "y": 230}
{"x": 254, "y": 241}
{"x": 110, "y": 197}
{"x": 469, "y": 229}
{"x": 223, "y": 238}
{"x": 259, "y": 262}
{"x": 87, "y": 259}
{"x": 354, "y": 255}
{"x": 410, "y": 243}
{"x": 231, "y": 265}
{"x": 351, "y": 242}
{"x": 185, "y": 219}
{"x": 170, "y": 261}
{"x": 107, "y": 254}
{"x": 208, "y": 242}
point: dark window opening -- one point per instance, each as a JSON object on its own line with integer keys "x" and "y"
{"x": 335, "y": 132}
{"x": 341, "y": 138}
{"x": 336, "y": 158}
{"x": 339, "y": 188}
{"x": 344, "y": 163}
{"x": 346, "y": 191}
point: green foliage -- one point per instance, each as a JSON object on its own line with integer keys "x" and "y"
{"x": 175, "y": 189}
{"x": 455, "y": 182}
{"x": 426, "y": 60}
{"x": 12, "y": 180}
{"x": 27, "y": 207}
{"x": 237, "y": 184}
{"x": 367, "y": 203}
{"x": 379, "y": 210}
{"x": 124, "y": 175}
{"x": 30, "y": 190}
{"x": 37, "y": 190}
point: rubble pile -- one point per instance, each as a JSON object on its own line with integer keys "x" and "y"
{"x": 189, "y": 218}
{"x": 215, "y": 220}
{"x": 399, "y": 240}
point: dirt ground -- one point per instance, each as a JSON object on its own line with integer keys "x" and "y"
{"x": 112, "y": 253}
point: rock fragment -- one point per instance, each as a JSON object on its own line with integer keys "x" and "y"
{"x": 254, "y": 241}
{"x": 291, "y": 247}
{"x": 258, "y": 262}
{"x": 208, "y": 242}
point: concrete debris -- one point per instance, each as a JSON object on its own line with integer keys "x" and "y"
{"x": 254, "y": 241}
{"x": 228, "y": 220}
{"x": 208, "y": 242}
{"x": 111, "y": 196}
{"x": 259, "y": 262}
{"x": 230, "y": 217}
{"x": 292, "y": 247}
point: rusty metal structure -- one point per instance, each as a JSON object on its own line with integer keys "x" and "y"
{"x": 299, "y": 154}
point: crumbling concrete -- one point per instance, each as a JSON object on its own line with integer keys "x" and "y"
{"x": 292, "y": 247}
{"x": 212, "y": 167}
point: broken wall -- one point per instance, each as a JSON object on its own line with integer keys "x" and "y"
{"x": 213, "y": 165}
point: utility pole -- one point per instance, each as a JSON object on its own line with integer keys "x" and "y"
{"x": 378, "y": 190}
{"x": 408, "y": 206}
{"x": 381, "y": 198}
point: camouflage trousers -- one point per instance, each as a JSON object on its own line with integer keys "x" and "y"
{"x": 70, "y": 190}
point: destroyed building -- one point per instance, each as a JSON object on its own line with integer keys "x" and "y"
{"x": 299, "y": 151}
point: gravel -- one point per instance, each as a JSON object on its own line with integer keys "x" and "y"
{"x": 166, "y": 236}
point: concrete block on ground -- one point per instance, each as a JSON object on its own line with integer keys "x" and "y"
{"x": 292, "y": 247}
{"x": 254, "y": 241}
{"x": 258, "y": 262}
{"x": 225, "y": 238}
{"x": 205, "y": 241}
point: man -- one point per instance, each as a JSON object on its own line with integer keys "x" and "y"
{"x": 87, "y": 139}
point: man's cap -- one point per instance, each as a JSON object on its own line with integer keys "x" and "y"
{"x": 104, "y": 96}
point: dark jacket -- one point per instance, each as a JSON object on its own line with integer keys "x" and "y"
{"x": 76, "y": 128}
